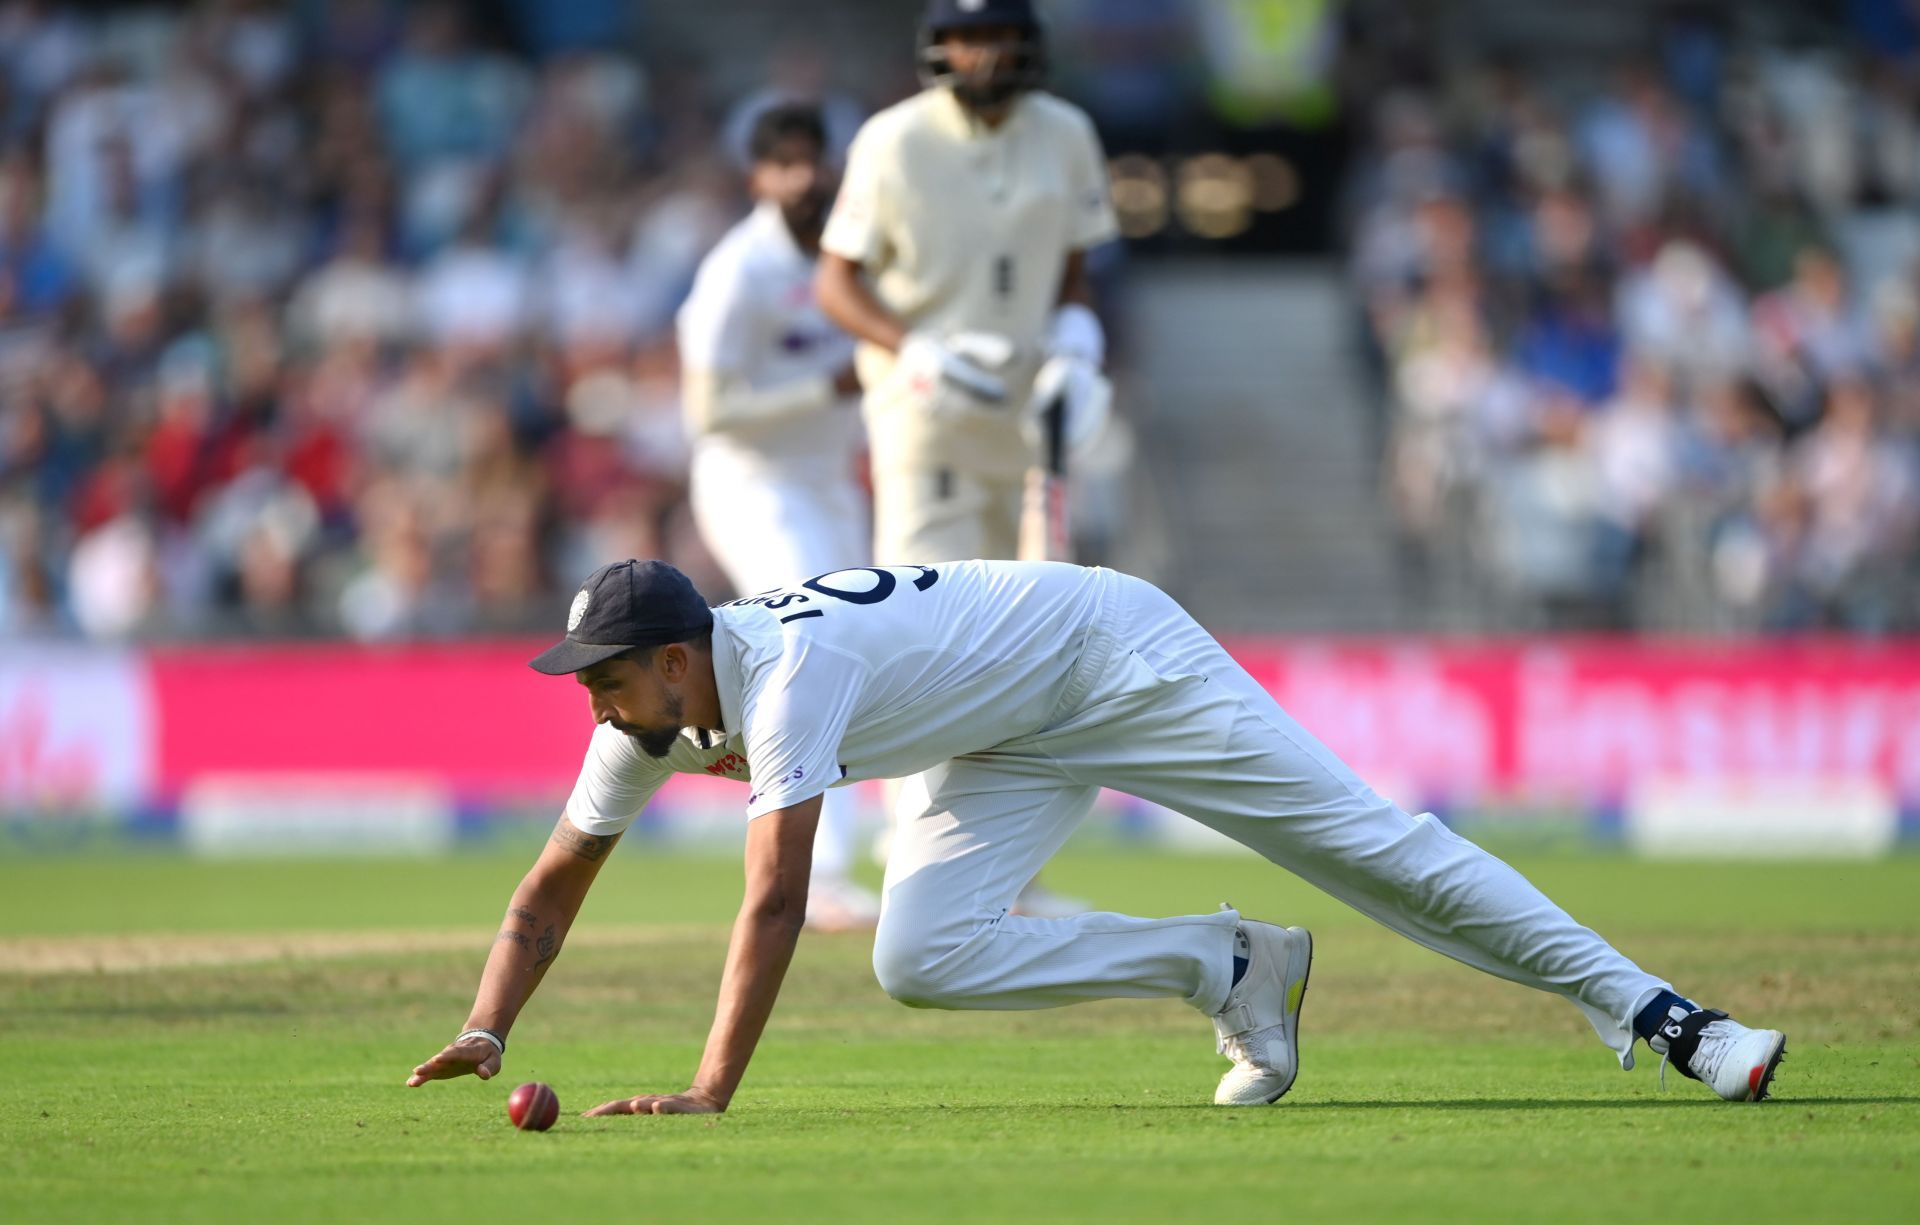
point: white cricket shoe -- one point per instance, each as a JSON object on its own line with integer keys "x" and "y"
{"x": 1734, "y": 1061}
{"x": 1259, "y": 1026}
{"x": 836, "y": 904}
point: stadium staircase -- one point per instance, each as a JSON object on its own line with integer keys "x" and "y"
{"x": 1256, "y": 449}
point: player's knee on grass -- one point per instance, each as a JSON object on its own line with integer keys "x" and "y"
{"x": 909, "y": 972}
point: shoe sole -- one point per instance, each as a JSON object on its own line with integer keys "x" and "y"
{"x": 1760, "y": 1080}
{"x": 1293, "y": 1019}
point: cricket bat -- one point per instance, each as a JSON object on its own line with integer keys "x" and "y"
{"x": 1044, "y": 531}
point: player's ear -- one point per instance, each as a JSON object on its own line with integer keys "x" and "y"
{"x": 674, "y": 660}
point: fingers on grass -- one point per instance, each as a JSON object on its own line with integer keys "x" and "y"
{"x": 625, "y": 1105}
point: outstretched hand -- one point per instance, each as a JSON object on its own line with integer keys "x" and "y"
{"x": 473, "y": 1057}
{"x": 693, "y": 1101}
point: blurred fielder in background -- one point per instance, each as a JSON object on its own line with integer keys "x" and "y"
{"x": 769, "y": 396}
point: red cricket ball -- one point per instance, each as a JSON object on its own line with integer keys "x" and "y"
{"x": 533, "y": 1106}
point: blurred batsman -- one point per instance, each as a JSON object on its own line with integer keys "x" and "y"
{"x": 956, "y": 254}
{"x": 769, "y": 396}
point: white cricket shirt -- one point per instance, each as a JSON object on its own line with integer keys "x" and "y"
{"x": 967, "y": 227}
{"x": 760, "y": 357}
{"x": 869, "y": 673}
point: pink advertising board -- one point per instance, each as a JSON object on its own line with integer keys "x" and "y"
{"x": 1585, "y": 720}
{"x": 1518, "y": 720}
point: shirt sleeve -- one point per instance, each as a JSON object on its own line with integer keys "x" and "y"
{"x": 794, "y": 725}
{"x": 716, "y": 402}
{"x": 725, "y": 332}
{"x": 615, "y": 783}
{"x": 856, "y": 228}
{"x": 717, "y": 325}
{"x": 1091, "y": 221}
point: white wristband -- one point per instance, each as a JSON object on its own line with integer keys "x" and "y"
{"x": 488, "y": 1034}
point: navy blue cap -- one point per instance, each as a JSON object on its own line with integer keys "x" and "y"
{"x": 626, "y": 605}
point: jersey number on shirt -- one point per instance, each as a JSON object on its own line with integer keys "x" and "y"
{"x": 885, "y": 583}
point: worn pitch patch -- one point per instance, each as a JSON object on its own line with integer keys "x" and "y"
{"x": 156, "y": 951}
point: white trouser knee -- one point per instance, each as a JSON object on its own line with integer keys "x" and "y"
{"x": 909, "y": 970}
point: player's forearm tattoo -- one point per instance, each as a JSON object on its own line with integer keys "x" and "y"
{"x": 508, "y": 937}
{"x": 547, "y": 946}
{"x": 523, "y": 914}
{"x": 586, "y": 846}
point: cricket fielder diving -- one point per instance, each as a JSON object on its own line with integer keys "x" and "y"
{"x": 1019, "y": 689}
{"x": 769, "y": 396}
{"x": 956, "y": 254}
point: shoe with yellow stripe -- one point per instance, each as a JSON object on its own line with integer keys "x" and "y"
{"x": 1259, "y": 1026}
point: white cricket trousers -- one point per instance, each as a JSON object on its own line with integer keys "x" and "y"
{"x": 1158, "y": 709}
{"x": 768, "y": 528}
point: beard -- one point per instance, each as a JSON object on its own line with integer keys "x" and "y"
{"x": 807, "y": 216}
{"x": 994, "y": 91}
{"x": 658, "y": 743}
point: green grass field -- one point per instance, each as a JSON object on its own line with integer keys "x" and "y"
{"x": 216, "y": 1042}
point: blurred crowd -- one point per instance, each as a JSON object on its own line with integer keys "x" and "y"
{"x": 1648, "y": 334}
{"x": 340, "y": 318}
{"x": 355, "y": 317}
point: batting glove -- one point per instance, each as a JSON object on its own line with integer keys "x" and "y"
{"x": 1076, "y": 332}
{"x": 965, "y": 360}
{"x": 1085, "y": 395}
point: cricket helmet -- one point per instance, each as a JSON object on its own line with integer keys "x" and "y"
{"x": 1023, "y": 67}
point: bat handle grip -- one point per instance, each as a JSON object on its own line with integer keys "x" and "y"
{"x": 1054, "y": 427}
